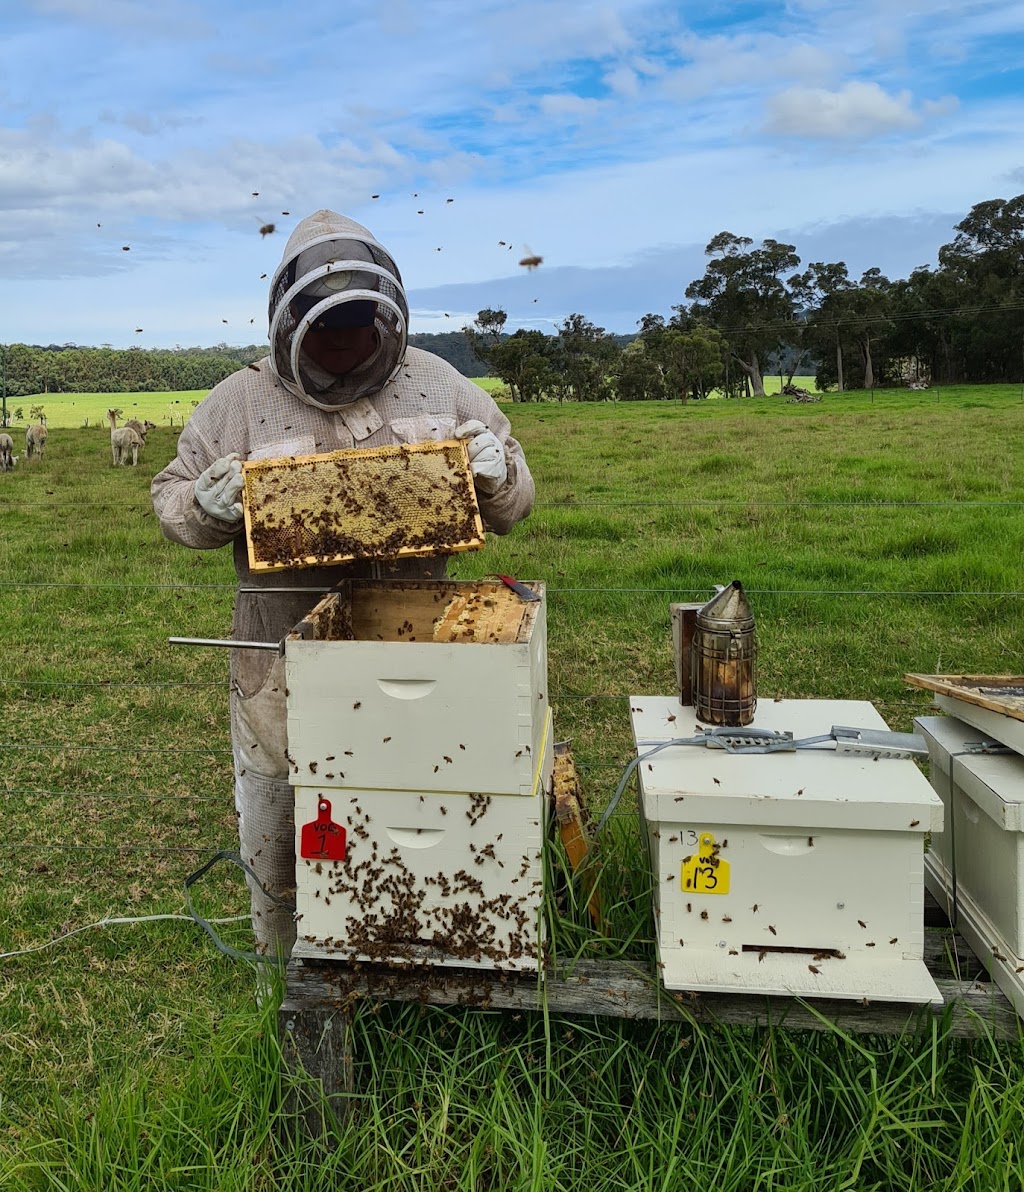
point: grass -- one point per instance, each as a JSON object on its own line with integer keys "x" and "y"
{"x": 134, "y": 1056}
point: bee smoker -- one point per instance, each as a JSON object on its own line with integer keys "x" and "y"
{"x": 722, "y": 659}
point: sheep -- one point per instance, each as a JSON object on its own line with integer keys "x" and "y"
{"x": 35, "y": 440}
{"x": 123, "y": 441}
{"x": 7, "y": 457}
{"x": 142, "y": 429}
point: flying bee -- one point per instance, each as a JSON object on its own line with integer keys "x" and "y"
{"x": 531, "y": 260}
{"x": 267, "y": 228}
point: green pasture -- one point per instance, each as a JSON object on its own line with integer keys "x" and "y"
{"x": 86, "y": 410}
{"x": 876, "y": 535}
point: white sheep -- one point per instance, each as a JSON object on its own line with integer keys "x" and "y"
{"x": 123, "y": 442}
{"x": 141, "y": 428}
{"x": 35, "y": 440}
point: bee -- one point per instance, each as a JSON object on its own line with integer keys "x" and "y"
{"x": 754, "y": 908}
{"x": 138, "y": 330}
{"x": 813, "y": 968}
{"x": 772, "y": 929}
{"x": 267, "y": 228}
{"x": 716, "y": 781}
{"x": 126, "y": 248}
{"x": 531, "y": 261}
{"x": 861, "y": 923}
{"x": 914, "y": 823}
{"x": 255, "y": 194}
{"x": 449, "y": 200}
{"x": 254, "y": 367}
{"x": 357, "y": 704}
{"x": 671, "y": 717}
{"x": 704, "y": 915}
{"x": 810, "y": 842}
{"x": 894, "y": 940}
{"x": 374, "y": 196}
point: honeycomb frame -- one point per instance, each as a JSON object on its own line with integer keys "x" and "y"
{"x": 402, "y": 501}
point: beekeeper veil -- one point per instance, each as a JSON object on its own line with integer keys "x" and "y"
{"x": 334, "y": 275}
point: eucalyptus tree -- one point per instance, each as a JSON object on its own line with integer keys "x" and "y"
{"x": 743, "y": 294}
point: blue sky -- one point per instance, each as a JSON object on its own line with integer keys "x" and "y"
{"x": 614, "y": 139}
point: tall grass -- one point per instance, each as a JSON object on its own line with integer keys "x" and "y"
{"x": 136, "y": 1057}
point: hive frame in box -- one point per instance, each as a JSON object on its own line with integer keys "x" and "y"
{"x": 804, "y": 846}
{"x": 404, "y": 501}
{"x": 424, "y": 749}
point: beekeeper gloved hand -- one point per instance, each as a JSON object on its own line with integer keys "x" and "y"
{"x": 218, "y": 488}
{"x": 486, "y": 455}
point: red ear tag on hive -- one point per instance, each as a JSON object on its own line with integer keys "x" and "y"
{"x": 323, "y": 839}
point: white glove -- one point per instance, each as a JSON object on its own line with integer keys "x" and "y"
{"x": 218, "y": 488}
{"x": 486, "y": 455}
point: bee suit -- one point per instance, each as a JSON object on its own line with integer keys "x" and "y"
{"x": 333, "y": 274}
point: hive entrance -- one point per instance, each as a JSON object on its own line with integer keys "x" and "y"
{"x": 375, "y": 503}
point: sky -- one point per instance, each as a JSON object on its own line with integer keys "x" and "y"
{"x": 612, "y": 139}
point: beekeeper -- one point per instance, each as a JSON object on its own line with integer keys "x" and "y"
{"x": 339, "y": 375}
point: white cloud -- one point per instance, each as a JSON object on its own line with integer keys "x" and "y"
{"x": 623, "y": 81}
{"x": 854, "y": 112}
{"x": 182, "y": 20}
{"x": 571, "y": 106}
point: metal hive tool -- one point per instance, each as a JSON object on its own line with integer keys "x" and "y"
{"x": 371, "y": 503}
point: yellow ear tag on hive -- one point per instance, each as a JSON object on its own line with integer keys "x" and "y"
{"x": 706, "y": 873}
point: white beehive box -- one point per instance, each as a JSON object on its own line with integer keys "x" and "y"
{"x": 418, "y": 726}
{"x": 393, "y": 708}
{"x": 979, "y": 877}
{"x": 813, "y": 875}
{"x": 995, "y": 726}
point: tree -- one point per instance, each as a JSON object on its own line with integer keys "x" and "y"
{"x": 584, "y": 356}
{"x": 823, "y": 291}
{"x": 743, "y": 295}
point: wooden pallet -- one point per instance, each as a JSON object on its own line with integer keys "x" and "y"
{"x": 320, "y": 996}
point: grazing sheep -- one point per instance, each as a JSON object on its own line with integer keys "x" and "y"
{"x": 7, "y": 457}
{"x": 35, "y": 440}
{"x": 141, "y": 428}
{"x": 123, "y": 441}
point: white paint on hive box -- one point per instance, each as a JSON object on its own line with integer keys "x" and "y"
{"x": 995, "y": 725}
{"x": 419, "y": 715}
{"x": 978, "y": 877}
{"x": 807, "y": 846}
{"x": 429, "y": 877}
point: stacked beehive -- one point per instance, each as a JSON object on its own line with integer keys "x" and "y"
{"x": 421, "y": 756}
{"x": 976, "y": 869}
{"x": 792, "y": 872}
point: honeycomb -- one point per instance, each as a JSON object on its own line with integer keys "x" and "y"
{"x": 370, "y": 503}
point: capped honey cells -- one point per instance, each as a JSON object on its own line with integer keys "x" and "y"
{"x": 370, "y": 503}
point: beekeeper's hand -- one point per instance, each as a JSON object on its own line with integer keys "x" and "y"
{"x": 486, "y": 455}
{"x": 219, "y": 487}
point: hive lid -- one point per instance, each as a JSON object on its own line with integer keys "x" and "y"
{"x": 946, "y": 735}
{"x": 995, "y": 783}
{"x": 806, "y": 789}
{"x": 372, "y": 503}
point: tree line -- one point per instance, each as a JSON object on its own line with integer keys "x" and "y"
{"x": 754, "y": 309}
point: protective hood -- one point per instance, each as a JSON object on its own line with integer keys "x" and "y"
{"x": 335, "y": 274}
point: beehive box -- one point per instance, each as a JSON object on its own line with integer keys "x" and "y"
{"x": 430, "y": 877}
{"x": 369, "y": 503}
{"x": 419, "y": 727}
{"x": 979, "y": 876}
{"x": 418, "y": 686}
{"x": 992, "y": 703}
{"x": 789, "y": 873}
